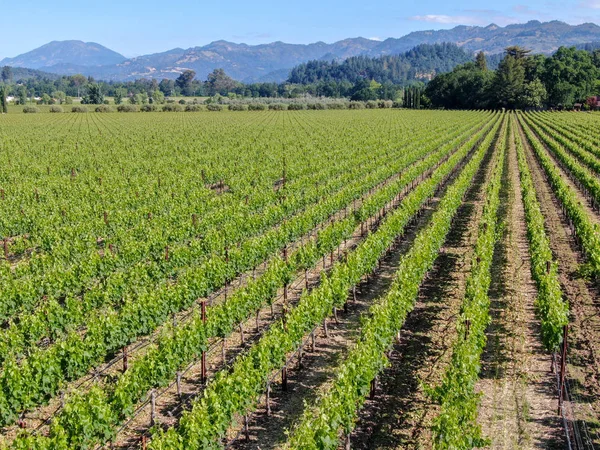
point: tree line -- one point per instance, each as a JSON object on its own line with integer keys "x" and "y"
{"x": 521, "y": 81}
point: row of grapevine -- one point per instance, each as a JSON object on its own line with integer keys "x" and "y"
{"x": 552, "y": 310}
{"x": 336, "y": 410}
{"x": 565, "y": 130}
{"x": 40, "y": 375}
{"x": 588, "y": 179}
{"x": 177, "y": 348}
{"x": 237, "y": 391}
{"x": 566, "y": 140}
{"x": 587, "y": 231}
{"x": 455, "y": 426}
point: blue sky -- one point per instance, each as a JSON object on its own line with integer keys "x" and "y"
{"x": 135, "y": 27}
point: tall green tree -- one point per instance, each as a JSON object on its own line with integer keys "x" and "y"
{"x": 481, "y": 61}
{"x": 570, "y": 76}
{"x": 22, "y": 95}
{"x": 509, "y": 82}
{"x": 184, "y": 81}
{"x": 218, "y": 82}
{"x": 7, "y": 74}
{"x": 3, "y": 102}
{"x": 94, "y": 95}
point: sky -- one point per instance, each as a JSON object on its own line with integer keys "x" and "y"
{"x": 135, "y": 27}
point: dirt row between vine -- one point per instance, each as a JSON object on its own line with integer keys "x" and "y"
{"x": 170, "y": 406}
{"x": 318, "y": 368}
{"x": 519, "y": 396}
{"x": 400, "y": 414}
{"x": 583, "y": 369}
{"x": 39, "y": 417}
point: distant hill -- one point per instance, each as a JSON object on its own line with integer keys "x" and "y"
{"x": 272, "y": 62}
{"x": 58, "y": 55}
{"x": 420, "y": 63}
{"x": 540, "y": 37}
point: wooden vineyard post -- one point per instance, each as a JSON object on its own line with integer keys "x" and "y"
{"x": 105, "y": 218}
{"x": 246, "y": 428}
{"x": 300, "y": 354}
{"x": 347, "y": 442}
{"x": 284, "y": 378}
{"x": 166, "y": 253}
{"x": 373, "y": 387}
{"x": 6, "y": 248}
{"x": 335, "y": 317}
{"x": 313, "y": 345}
{"x": 325, "y": 328}
{"x": 268, "y": 401}
{"x": 241, "y": 333}
{"x": 194, "y": 219}
{"x": 153, "y": 408}
{"x": 467, "y": 327}
{"x": 179, "y": 385}
{"x": 563, "y": 367}
{"x": 223, "y": 351}
{"x": 125, "y": 359}
{"x": 144, "y": 442}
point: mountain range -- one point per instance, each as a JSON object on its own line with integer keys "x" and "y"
{"x": 272, "y": 62}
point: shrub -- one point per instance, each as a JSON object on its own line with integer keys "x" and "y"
{"x": 386, "y": 103}
{"x": 56, "y": 109}
{"x": 372, "y": 104}
{"x": 193, "y": 108}
{"x": 31, "y": 110}
{"x": 182, "y": 102}
{"x": 103, "y": 109}
{"x": 213, "y": 107}
{"x": 316, "y": 105}
{"x": 337, "y": 105}
{"x": 127, "y": 108}
{"x": 356, "y": 105}
{"x": 172, "y": 107}
{"x": 296, "y": 106}
{"x": 79, "y": 109}
{"x": 257, "y": 107}
{"x": 238, "y": 107}
{"x": 278, "y": 106}
{"x": 148, "y": 108}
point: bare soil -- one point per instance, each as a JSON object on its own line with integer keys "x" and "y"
{"x": 400, "y": 414}
{"x": 583, "y": 368}
{"x": 518, "y": 403}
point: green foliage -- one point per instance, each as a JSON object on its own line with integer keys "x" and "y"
{"x": 127, "y": 108}
{"x": 551, "y": 309}
{"x": 94, "y": 95}
{"x": 335, "y": 411}
{"x": 569, "y": 76}
{"x": 3, "y": 102}
{"x": 456, "y": 427}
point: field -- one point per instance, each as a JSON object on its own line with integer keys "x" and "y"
{"x": 300, "y": 280}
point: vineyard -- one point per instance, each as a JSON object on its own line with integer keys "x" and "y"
{"x": 300, "y": 280}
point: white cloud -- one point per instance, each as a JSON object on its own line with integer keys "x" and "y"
{"x": 591, "y": 4}
{"x": 444, "y": 19}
